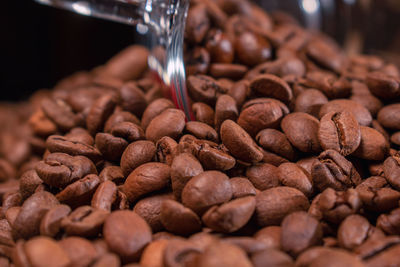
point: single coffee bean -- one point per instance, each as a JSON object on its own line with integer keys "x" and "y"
{"x": 146, "y": 178}
{"x": 111, "y": 147}
{"x": 107, "y": 260}
{"x": 203, "y": 113}
{"x": 373, "y": 145}
{"x": 80, "y": 135}
{"x": 387, "y": 257}
{"x": 339, "y": 131}
{"x": 252, "y": 49}
{"x": 126, "y": 234}
{"x": 391, "y": 168}
{"x": 225, "y": 109}
{"x": 154, "y": 109}
{"x": 27, "y": 223}
{"x": 362, "y": 115}
{"x": 310, "y": 101}
{"x": 376, "y": 194}
{"x": 84, "y": 221}
{"x": 112, "y": 173}
{"x": 223, "y": 254}
{"x": 219, "y": 46}
{"x": 270, "y": 236}
{"x": 205, "y": 190}
{"x": 132, "y": 98}
{"x": 169, "y": 123}
{"x": 239, "y": 143}
{"x": 292, "y": 175}
{"x": 231, "y": 216}
{"x": 271, "y": 257}
{"x": 60, "y": 113}
{"x": 276, "y": 142}
{"x": 263, "y": 176}
{"x": 128, "y": 131}
{"x": 197, "y": 61}
{"x": 149, "y": 208}
{"x": 166, "y": 150}
{"x": 120, "y": 116}
{"x": 389, "y": 117}
{"x": 302, "y": 131}
{"x": 204, "y": 88}
{"x": 44, "y": 251}
{"x": 389, "y": 222}
{"x": 299, "y": 232}
{"x": 211, "y": 155}
{"x": 180, "y": 252}
{"x": 80, "y": 251}
{"x": 242, "y": 187}
{"x": 273, "y": 204}
{"x": 334, "y": 171}
{"x": 268, "y": 85}
{"x": 261, "y": 113}
{"x": 201, "y": 130}
{"x": 197, "y": 24}
{"x": 383, "y": 85}
{"x": 369, "y": 101}
{"x": 136, "y": 154}
{"x": 321, "y": 256}
{"x": 153, "y": 254}
{"x": 353, "y": 231}
{"x": 99, "y": 112}
{"x": 178, "y": 219}
{"x": 376, "y": 247}
{"x": 183, "y": 168}
{"x": 228, "y": 71}
{"x": 51, "y": 222}
{"x": 105, "y": 196}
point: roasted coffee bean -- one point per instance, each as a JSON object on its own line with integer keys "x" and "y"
{"x": 211, "y": 155}
{"x": 252, "y": 49}
{"x": 302, "y": 131}
{"x": 201, "y": 130}
{"x": 225, "y": 109}
{"x": 299, "y": 232}
{"x": 334, "y": 171}
{"x": 60, "y": 144}
{"x": 389, "y": 117}
{"x": 166, "y": 149}
{"x": 197, "y": 61}
{"x": 276, "y": 142}
{"x": 273, "y": 204}
{"x": 126, "y": 234}
{"x": 203, "y": 113}
{"x": 376, "y": 194}
{"x": 112, "y": 173}
{"x": 339, "y": 131}
{"x": 321, "y": 256}
{"x": 292, "y": 175}
{"x": 51, "y": 222}
{"x": 79, "y": 192}
{"x": 231, "y": 216}
{"x": 80, "y": 251}
{"x": 183, "y": 168}
{"x": 261, "y": 113}
{"x": 270, "y": 236}
{"x": 362, "y": 115}
{"x": 44, "y": 251}
{"x": 389, "y": 223}
{"x": 383, "y": 85}
{"x": 29, "y": 181}
{"x": 373, "y": 145}
{"x": 60, "y": 113}
{"x": 149, "y": 208}
{"x": 220, "y": 47}
{"x": 310, "y": 101}
{"x": 105, "y": 196}
{"x": 223, "y": 254}
{"x": 132, "y": 99}
{"x": 153, "y": 253}
{"x": 268, "y": 85}
{"x": 84, "y": 221}
{"x": 263, "y": 176}
{"x": 178, "y": 219}
{"x": 387, "y": 257}
{"x": 180, "y": 253}
{"x": 353, "y": 231}
{"x": 271, "y": 257}
{"x": 120, "y": 116}
{"x": 146, "y": 178}
{"x": 128, "y": 130}
{"x": 239, "y": 143}
{"x": 204, "y": 88}
{"x": 249, "y": 244}
{"x": 154, "y": 109}
{"x": 198, "y": 24}
{"x": 111, "y": 147}
{"x": 205, "y": 190}
{"x": 229, "y": 71}
{"x": 169, "y": 123}
{"x": 391, "y": 168}
{"x": 242, "y": 187}
{"x": 99, "y": 112}
{"x": 136, "y": 154}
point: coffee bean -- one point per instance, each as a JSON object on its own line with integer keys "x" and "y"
{"x": 154, "y": 109}
{"x": 203, "y": 113}
{"x": 166, "y": 150}
{"x": 310, "y": 101}
{"x": 60, "y": 113}
{"x": 80, "y": 251}
{"x": 263, "y": 176}
{"x": 153, "y": 253}
{"x": 276, "y": 142}
{"x": 146, "y": 178}
{"x": 271, "y": 257}
{"x": 273, "y": 204}
{"x": 44, "y": 251}
{"x": 388, "y": 117}
{"x": 373, "y": 145}
{"x": 302, "y": 131}
{"x": 84, "y": 221}
{"x": 219, "y": 46}
{"x": 180, "y": 253}
{"x": 128, "y": 131}
{"x": 252, "y": 49}
{"x": 136, "y": 154}
{"x": 27, "y": 223}
{"x": 383, "y": 85}
{"x": 229, "y": 71}
{"x": 292, "y": 175}
{"x": 133, "y": 99}
{"x": 183, "y": 168}
{"x": 334, "y": 171}
{"x": 105, "y": 196}
{"x": 353, "y": 231}
{"x": 261, "y": 113}
{"x": 387, "y": 257}
{"x": 201, "y": 130}
{"x": 211, "y": 155}
{"x": 321, "y": 256}
{"x": 225, "y": 109}
{"x": 99, "y": 112}
{"x": 205, "y": 190}
{"x": 107, "y": 260}
{"x": 149, "y": 208}
{"x": 178, "y": 219}
{"x": 268, "y": 85}
{"x": 204, "y": 88}
{"x": 231, "y": 216}
{"x": 242, "y": 187}
{"x": 111, "y": 147}
{"x": 169, "y": 123}
{"x": 80, "y": 135}
{"x": 197, "y": 61}
{"x": 270, "y": 236}
{"x": 51, "y": 222}
{"x": 223, "y": 254}
{"x": 112, "y": 173}
{"x": 339, "y": 131}
{"x": 126, "y": 234}
{"x": 198, "y": 24}
{"x": 239, "y": 143}
{"x": 120, "y": 116}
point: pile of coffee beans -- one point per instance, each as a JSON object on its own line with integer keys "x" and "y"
{"x": 292, "y": 161}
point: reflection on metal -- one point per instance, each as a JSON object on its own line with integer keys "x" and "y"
{"x": 312, "y": 13}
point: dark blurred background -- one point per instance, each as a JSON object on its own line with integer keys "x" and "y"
{"x": 40, "y": 45}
